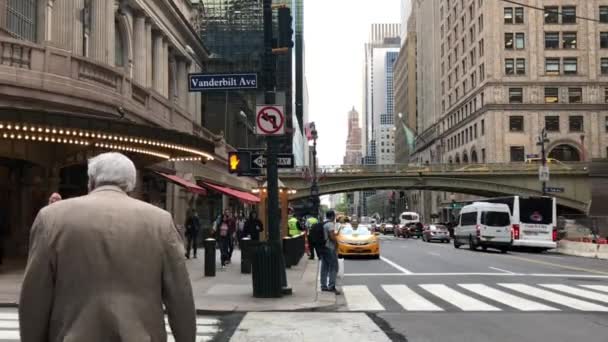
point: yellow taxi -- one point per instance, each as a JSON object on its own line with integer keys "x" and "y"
{"x": 357, "y": 240}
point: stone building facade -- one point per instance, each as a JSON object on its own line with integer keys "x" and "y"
{"x": 79, "y": 77}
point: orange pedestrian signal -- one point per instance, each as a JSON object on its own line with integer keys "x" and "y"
{"x": 233, "y": 162}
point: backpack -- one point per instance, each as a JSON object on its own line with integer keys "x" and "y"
{"x": 317, "y": 234}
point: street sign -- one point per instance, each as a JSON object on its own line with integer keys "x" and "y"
{"x": 206, "y": 82}
{"x": 543, "y": 173}
{"x": 284, "y": 160}
{"x": 554, "y": 190}
{"x": 270, "y": 120}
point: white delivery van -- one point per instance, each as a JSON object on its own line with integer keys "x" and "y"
{"x": 408, "y": 217}
{"x": 484, "y": 225}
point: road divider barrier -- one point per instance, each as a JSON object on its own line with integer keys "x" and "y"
{"x": 583, "y": 249}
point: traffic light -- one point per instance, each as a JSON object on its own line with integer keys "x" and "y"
{"x": 285, "y": 28}
{"x": 234, "y": 161}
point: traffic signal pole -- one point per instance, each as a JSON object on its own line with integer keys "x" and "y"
{"x": 272, "y": 172}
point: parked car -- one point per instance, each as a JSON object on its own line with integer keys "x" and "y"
{"x": 484, "y": 225}
{"x": 435, "y": 232}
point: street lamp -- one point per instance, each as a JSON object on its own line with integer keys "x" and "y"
{"x": 314, "y": 188}
{"x": 541, "y": 141}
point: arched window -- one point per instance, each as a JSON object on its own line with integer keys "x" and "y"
{"x": 465, "y": 158}
{"x": 474, "y": 157}
{"x": 450, "y": 160}
{"x": 119, "y": 46}
{"x": 21, "y": 18}
{"x": 457, "y": 159}
{"x": 565, "y": 153}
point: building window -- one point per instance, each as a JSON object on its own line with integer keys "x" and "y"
{"x": 472, "y": 34}
{"x": 19, "y": 18}
{"x": 508, "y": 15}
{"x": 576, "y": 123}
{"x": 475, "y": 131}
{"x": 483, "y": 128}
{"x": 481, "y": 48}
{"x": 606, "y": 123}
{"x": 604, "y": 40}
{"x": 473, "y": 80}
{"x": 520, "y": 66}
{"x": 551, "y": 40}
{"x": 606, "y": 95}
{"x": 604, "y": 66}
{"x": 570, "y": 66}
{"x": 551, "y": 15}
{"x": 552, "y": 66}
{"x": 517, "y": 154}
{"x": 516, "y": 123}
{"x": 551, "y": 95}
{"x": 568, "y": 14}
{"x": 569, "y": 40}
{"x": 604, "y": 14}
{"x": 552, "y": 123}
{"x": 509, "y": 40}
{"x": 575, "y": 95}
{"x": 483, "y": 155}
{"x": 480, "y": 23}
{"x": 509, "y": 66}
{"x": 516, "y": 95}
{"x": 520, "y": 41}
{"x": 519, "y": 15}
{"x": 482, "y": 72}
{"x": 119, "y": 53}
{"x": 472, "y": 57}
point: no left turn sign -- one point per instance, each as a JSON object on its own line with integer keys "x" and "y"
{"x": 270, "y": 120}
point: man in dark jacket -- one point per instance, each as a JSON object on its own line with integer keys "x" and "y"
{"x": 253, "y": 227}
{"x": 193, "y": 226}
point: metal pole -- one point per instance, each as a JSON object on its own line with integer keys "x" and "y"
{"x": 226, "y": 116}
{"x": 543, "y": 137}
{"x": 272, "y": 173}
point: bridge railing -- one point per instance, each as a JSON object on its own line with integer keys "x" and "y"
{"x": 441, "y": 168}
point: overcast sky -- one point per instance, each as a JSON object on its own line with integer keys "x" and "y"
{"x": 335, "y": 32}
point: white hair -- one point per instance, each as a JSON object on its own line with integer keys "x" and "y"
{"x": 112, "y": 168}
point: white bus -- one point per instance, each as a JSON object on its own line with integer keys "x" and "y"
{"x": 533, "y": 221}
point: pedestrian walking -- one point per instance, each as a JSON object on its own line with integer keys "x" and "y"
{"x": 253, "y": 227}
{"x": 102, "y": 266}
{"x": 223, "y": 239}
{"x": 329, "y": 260}
{"x": 240, "y": 227}
{"x": 312, "y": 244}
{"x": 55, "y": 197}
{"x": 231, "y": 222}
{"x": 193, "y": 226}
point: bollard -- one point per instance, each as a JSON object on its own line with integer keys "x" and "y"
{"x": 287, "y": 250}
{"x": 209, "y": 257}
{"x": 245, "y": 255}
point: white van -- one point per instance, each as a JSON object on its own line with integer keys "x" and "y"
{"x": 408, "y": 217}
{"x": 484, "y": 225}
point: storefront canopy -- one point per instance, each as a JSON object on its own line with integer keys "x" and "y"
{"x": 184, "y": 183}
{"x": 243, "y": 196}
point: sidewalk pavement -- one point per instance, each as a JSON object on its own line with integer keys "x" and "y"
{"x": 229, "y": 290}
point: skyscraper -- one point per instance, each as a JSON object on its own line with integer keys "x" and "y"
{"x": 354, "y": 150}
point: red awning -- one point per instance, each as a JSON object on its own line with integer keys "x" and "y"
{"x": 186, "y": 184}
{"x": 244, "y": 196}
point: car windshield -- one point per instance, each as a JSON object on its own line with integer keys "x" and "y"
{"x": 438, "y": 227}
{"x": 408, "y": 217}
{"x": 349, "y": 230}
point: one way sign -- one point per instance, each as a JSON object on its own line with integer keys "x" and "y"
{"x": 284, "y": 161}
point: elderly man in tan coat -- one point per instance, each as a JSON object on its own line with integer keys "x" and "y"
{"x": 101, "y": 266}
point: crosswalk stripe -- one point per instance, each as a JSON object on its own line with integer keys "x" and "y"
{"x": 170, "y": 338}
{"x": 409, "y": 299}
{"x": 9, "y": 324}
{"x": 10, "y": 335}
{"x": 506, "y": 298}
{"x": 578, "y": 292}
{"x": 458, "y": 299}
{"x": 602, "y": 288}
{"x": 359, "y": 298}
{"x": 9, "y": 316}
{"x": 555, "y": 297}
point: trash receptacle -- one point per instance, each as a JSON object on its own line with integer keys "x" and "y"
{"x": 266, "y": 268}
{"x": 245, "y": 245}
{"x": 209, "y": 257}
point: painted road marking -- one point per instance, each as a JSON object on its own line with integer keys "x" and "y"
{"x": 540, "y": 275}
{"x": 577, "y": 292}
{"x": 458, "y": 299}
{"x": 359, "y": 298}
{"x": 403, "y": 270}
{"x": 506, "y": 298}
{"x": 574, "y": 268}
{"x": 555, "y": 297}
{"x": 409, "y": 299}
{"x": 602, "y": 288}
{"x": 501, "y": 270}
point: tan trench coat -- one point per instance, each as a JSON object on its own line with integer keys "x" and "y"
{"x": 100, "y": 268}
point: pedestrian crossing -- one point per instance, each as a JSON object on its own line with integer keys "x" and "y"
{"x": 475, "y": 297}
{"x": 207, "y": 328}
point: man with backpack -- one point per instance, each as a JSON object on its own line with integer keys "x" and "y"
{"x": 329, "y": 253}
{"x": 313, "y": 245}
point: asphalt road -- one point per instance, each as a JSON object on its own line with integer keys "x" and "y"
{"x": 422, "y": 291}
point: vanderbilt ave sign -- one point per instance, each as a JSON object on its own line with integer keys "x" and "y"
{"x": 207, "y": 82}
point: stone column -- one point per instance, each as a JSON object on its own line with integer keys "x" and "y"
{"x": 139, "y": 48}
{"x": 77, "y": 34}
{"x": 102, "y": 31}
{"x": 61, "y": 22}
{"x": 182, "y": 85}
{"x": 149, "y": 53}
{"x": 165, "y": 68}
{"x": 157, "y": 66}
